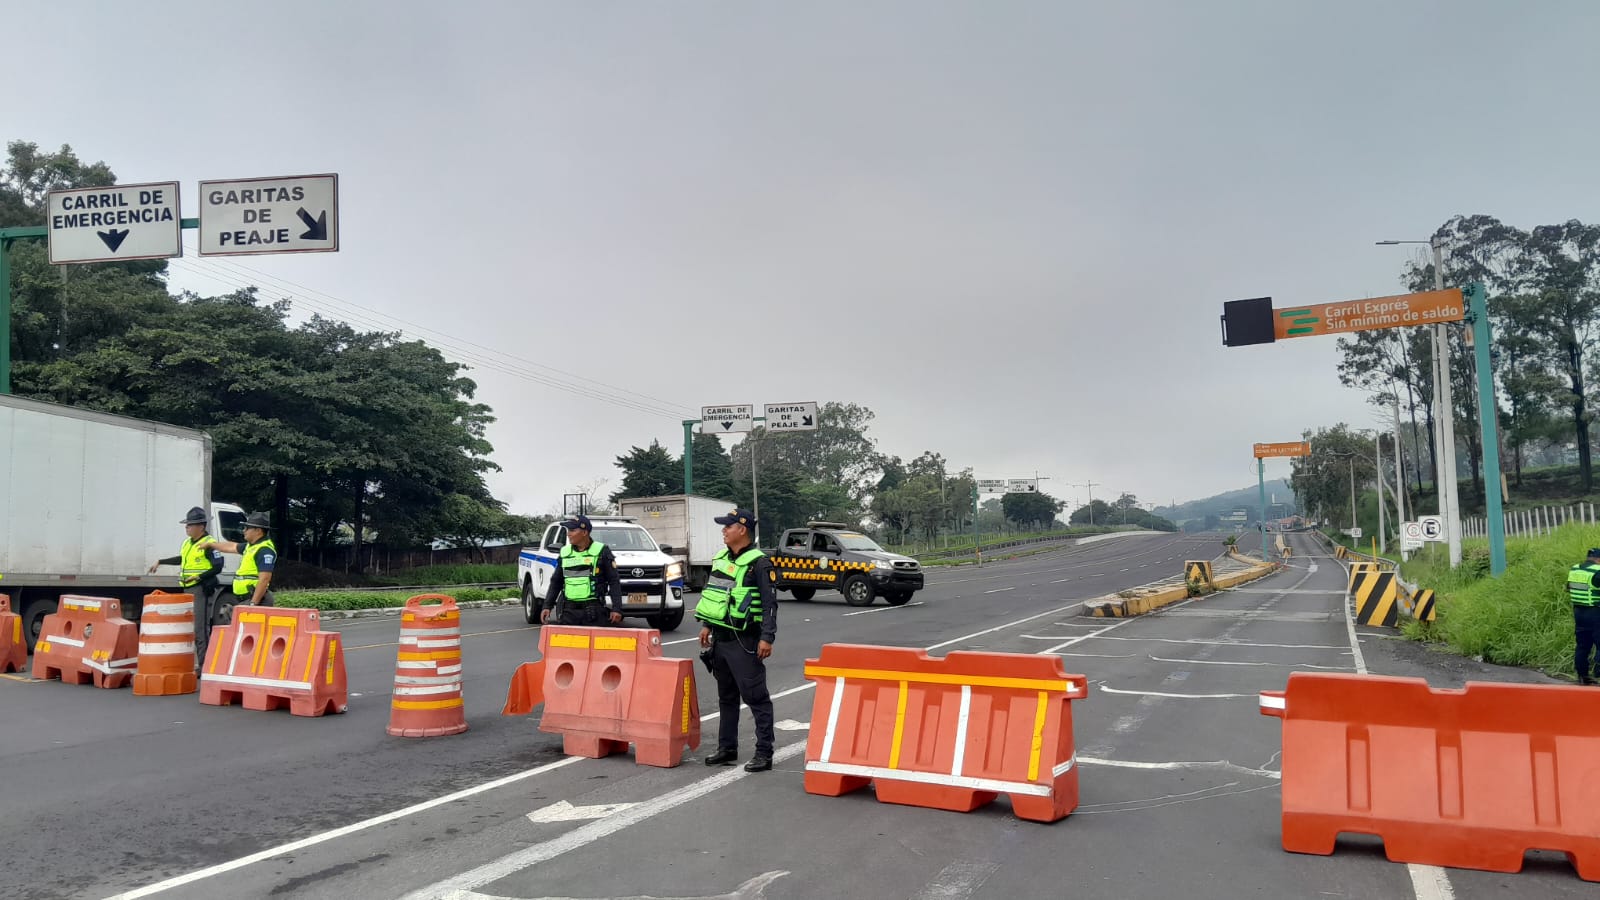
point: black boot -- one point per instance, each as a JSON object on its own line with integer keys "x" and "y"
{"x": 723, "y": 758}
{"x": 758, "y": 764}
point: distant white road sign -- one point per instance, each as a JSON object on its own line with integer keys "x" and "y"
{"x": 126, "y": 221}
{"x": 1022, "y": 486}
{"x": 726, "y": 419}
{"x": 791, "y": 416}
{"x": 1432, "y": 527}
{"x": 991, "y": 485}
{"x": 1411, "y": 536}
{"x": 299, "y": 214}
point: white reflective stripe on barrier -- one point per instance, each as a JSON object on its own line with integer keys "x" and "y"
{"x": 961, "y": 729}
{"x": 112, "y": 667}
{"x": 70, "y": 642}
{"x": 427, "y": 679}
{"x": 436, "y": 645}
{"x": 153, "y": 628}
{"x": 168, "y": 609}
{"x": 833, "y": 717}
{"x": 165, "y": 649}
{"x": 430, "y": 632}
{"x": 247, "y": 681}
{"x": 450, "y": 670}
{"x": 961, "y": 781}
{"x": 1274, "y": 702}
{"x": 79, "y": 603}
{"x": 416, "y": 664}
{"x": 428, "y": 689}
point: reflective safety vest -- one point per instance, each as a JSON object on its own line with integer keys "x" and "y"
{"x": 196, "y": 562}
{"x": 244, "y": 580}
{"x": 1580, "y": 584}
{"x": 726, "y": 601}
{"x": 579, "y": 570}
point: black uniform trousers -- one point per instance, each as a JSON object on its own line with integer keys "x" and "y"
{"x": 740, "y": 675}
{"x": 587, "y": 614}
{"x": 1586, "y": 627}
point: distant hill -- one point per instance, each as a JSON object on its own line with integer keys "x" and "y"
{"x": 1223, "y": 504}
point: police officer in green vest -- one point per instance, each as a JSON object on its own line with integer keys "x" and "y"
{"x": 585, "y": 578}
{"x": 739, "y": 611}
{"x": 1583, "y": 589}
{"x": 253, "y": 579}
{"x": 201, "y": 565}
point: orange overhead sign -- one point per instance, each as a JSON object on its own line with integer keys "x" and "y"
{"x": 1292, "y": 448}
{"x": 1400, "y": 311}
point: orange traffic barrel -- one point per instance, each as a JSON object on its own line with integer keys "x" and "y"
{"x": 166, "y": 646}
{"x": 427, "y": 670}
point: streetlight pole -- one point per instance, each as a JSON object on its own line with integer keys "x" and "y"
{"x": 1446, "y": 485}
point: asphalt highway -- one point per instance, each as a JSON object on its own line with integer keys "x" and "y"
{"x": 106, "y": 794}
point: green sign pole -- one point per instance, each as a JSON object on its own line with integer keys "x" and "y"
{"x": 1478, "y": 311}
{"x": 1261, "y": 488}
{"x": 977, "y": 545}
{"x": 688, "y": 454}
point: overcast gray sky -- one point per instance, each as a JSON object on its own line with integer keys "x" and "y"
{"x": 1008, "y": 228}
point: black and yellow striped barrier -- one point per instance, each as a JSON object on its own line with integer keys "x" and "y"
{"x": 1198, "y": 570}
{"x": 1422, "y": 605}
{"x": 1375, "y": 595}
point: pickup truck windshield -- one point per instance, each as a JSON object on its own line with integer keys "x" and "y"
{"x": 624, "y": 538}
{"x": 857, "y": 542}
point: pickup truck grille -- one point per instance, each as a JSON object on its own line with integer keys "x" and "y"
{"x": 906, "y": 565}
{"x": 636, "y": 573}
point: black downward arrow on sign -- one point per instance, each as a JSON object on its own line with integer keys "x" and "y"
{"x": 316, "y": 229}
{"x": 726, "y": 425}
{"x": 113, "y": 238}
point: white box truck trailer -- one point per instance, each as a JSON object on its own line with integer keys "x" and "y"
{"x": 89, "y": 500}
{"x": 684, "y": 523}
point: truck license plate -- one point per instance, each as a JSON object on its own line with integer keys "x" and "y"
{"x": 638, "y": 599}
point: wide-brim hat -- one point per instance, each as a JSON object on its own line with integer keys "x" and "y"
{"x": 258, "y": 520}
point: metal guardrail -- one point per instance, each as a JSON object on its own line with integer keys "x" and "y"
{"x": 431, "y": 588}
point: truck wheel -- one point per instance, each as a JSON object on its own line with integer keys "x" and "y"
{"x": 857, "y": 590}
{"x": 33, "y": 619}
{"x": 530, "y": 609}
{"x": 667, "y": 621}
{"x": 898, "y": 598}
{"x": 803, "y": 594}
{"x": 222, "y": 612}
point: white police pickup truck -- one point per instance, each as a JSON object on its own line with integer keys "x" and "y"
{"x": 652, "y": 581}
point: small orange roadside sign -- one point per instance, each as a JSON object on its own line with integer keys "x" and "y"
{"x": 1292, "y": 448}
{"x": 1399, "y": 311}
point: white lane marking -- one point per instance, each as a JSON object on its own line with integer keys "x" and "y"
{"x": 562, "y": 811}
{"x": 1179, "y": 765}
{"x": 862, "y": 612}
{"x": 323, "y": 837}
{"x": 1098, "y": 575}
{"x": 791, "y": 725}
{"x": 1000, "y": 590}
{"x": 1102, "y": 655}
{"x": 961, "y": 878}
{"x": 336, "y": 833}
{"x": 680, "y": 641}
{"x": 1220, "y": 662}
{"x": 512, "y": 863}
{"x": 1216, "y": 643}
{"x": 1102, "y": 689}
{"x": 1116, "y": 623}
{"x": 750, "y": 890}
{"x": 1312, "y": 567}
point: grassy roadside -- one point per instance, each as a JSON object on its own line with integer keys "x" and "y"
{"x": 1522, "y": 618}
{"x": 336, "y": 600}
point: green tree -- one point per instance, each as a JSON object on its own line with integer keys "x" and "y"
{"x": 1341, "y": 459}
{"x": 649, "y": 472}
{"x": 1036, "y": 510}
{"x": 471, "y": 522}
{"x": 713, "y": 469}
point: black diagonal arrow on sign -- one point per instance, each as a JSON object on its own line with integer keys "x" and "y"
{"x": 113, "y": 238}
{"x": 316, "y": 229}
{"x": 805, "y": 420}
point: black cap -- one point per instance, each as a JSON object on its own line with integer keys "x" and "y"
{"x": 1594, "y": 552}
{"x": 579, "y": 521}
{"x": 258, "y": 520}
{"x": 737, "y": 517}
{"x": 195, "y": 516}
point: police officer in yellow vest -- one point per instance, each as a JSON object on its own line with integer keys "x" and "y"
{"x": 1583, "y": 589}
{"x": 253, "y": 579}
{"x": 201, "y": 565}
{"x": 739, "y": 612}
{"x": 585, "y": 577}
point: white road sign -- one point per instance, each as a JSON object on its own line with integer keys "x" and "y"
{"x": 1411, "y": 536}
{"x": 791, "y": 416}
{"x": 298, "y": 214}
{"x": 1022, "y": 486}
{"x": 1354, "y": 533}
{"x": 991, "y": 485}
{"x": 1432, "y": 527}
{"x": 127, "y": 221}
{"x": 726, "y": 419}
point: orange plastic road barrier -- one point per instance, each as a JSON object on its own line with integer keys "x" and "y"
{"x": 86, "y": 640}
{"x": 1472, "y": 778}
{"x": 166, "y": 646}
{"x": 604, "y": 688}
{"x": 269, "y": 657}
{"x": 949, "y": 733}
{"x": 427, "y": 672}
{"x": 13, "y": 649}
